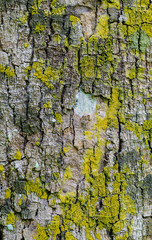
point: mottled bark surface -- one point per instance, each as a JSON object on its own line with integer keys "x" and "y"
{"x": 75, "y": 114}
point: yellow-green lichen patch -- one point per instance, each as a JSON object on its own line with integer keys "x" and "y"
{"x": 11, "y": 219}
{"x": 20, "y": 202}
{"x": 47, "y": 75}
{"x": 69, "y": 236}
{"x": 39, "y": 28}
{"x": 8, "y": 193}
{"x": 75, "y": 20}
{"x": 36, "y": 187}
{"x": 36, "y": 7}
{"x": 112, "y": 112}
{"x": 57, "y": 38}
{"x": 23, "y": 18}
{"x": 81, "y": 210}
{"x": 68, "y": 173}
{"x": 58, "y": 117}
{"x": 134, "y": 127}
{"x": 131, "y": 73}
{"x": 47, "y": 104}
{"x": 102, "y": 28}
{"x": 67, "y": 148}
{"x": 147, "y": 125}
{"x": 26, "y": 45}
{"x": 57, "y": 8}
{"x": 92, "y": 157}
{"x": 41, "y": 233}
{"x": 1, "y": 168}
{"x": 136, "y": 17}
{"x": 111, "y": 4}
{"x": 18, "y": 155}
{"x": 7, "y": 71}
{"x": 88, "y": 67}
{"x": 53, "y": 229}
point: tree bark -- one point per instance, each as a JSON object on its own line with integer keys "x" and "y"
{"x": 75, "y": 113}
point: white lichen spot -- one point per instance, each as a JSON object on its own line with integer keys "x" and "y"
{"x": 36, "y": 165}
{"x": 85, "y": 104}
{"x": 10, "y": 227}
{"x": 53, "y": 120}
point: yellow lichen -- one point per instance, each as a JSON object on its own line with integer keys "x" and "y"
{"x": 68, "y": 173}
{"x": 36, "y": 6}
{"x": 57, "y": 38}
{"x": 131, "y": 73}
{"x": 69, "y": 236}
{"x": 102, "y": 28}
{"x": 18, "y": 155}
{"x": 11, "y": 219}
{"x": 75, "y": 20}
{"x": 58, "y": 117}
{"x": 88, "y": 66}
{"x": 39, "y": 28}
{"x": 23, "y": 18}
{"x": 1, "y": 168}
{"x": 57, "y": 9}
{"x": 53, "y": 229}
{"x": 7, "y": 71}
{"x": 47, "y": 75}
{"x": 47, "y": 105}
{"x": 8, "y": 193}
{"x": 20, "y": 202}
{"x": 36, "y": 187}
{"x": 26, "y": 45}
{"x": 41, "y": 234}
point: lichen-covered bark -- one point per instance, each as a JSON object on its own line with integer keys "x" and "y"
{"x": 75, "y": 113}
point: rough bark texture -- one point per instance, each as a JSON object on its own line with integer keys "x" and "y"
{"x": 75, "y": 114}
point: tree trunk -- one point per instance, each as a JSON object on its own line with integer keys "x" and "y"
{"x": 75, "y": 113}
